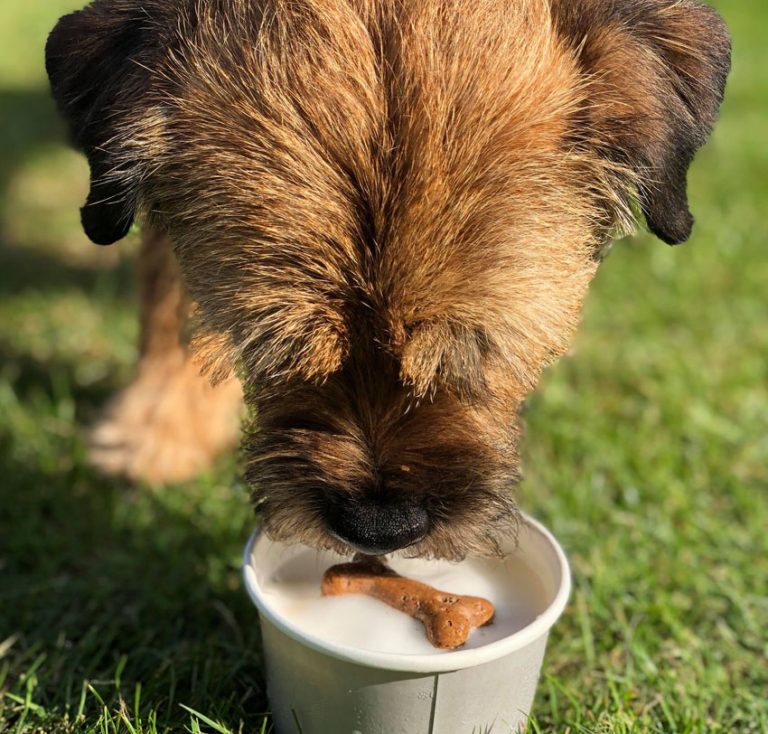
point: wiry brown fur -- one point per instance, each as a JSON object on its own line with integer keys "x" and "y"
{"x": 387, "y": 214}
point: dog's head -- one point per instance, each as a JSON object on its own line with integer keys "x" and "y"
{"x": 388, "y": 215}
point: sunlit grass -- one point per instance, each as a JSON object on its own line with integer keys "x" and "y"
{"x": 121, "y": 609}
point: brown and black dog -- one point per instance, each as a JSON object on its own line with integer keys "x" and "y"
{"x": 383, "y": 217}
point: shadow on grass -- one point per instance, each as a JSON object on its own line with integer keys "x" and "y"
{"x": 29, "y": 120}
{"x": 101, "y": 583}
{"x": 29, "y": 124}
{"x": 23, "y": 268}
{"x": 115, "y": 586}
{"x": 30, "y": 378}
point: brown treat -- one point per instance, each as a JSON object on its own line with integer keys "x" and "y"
{"x": 447, "y": 618}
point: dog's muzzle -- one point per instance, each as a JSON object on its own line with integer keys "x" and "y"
{"x": 376, "y": 526}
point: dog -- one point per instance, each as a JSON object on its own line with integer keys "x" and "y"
{"x": 375, "y": 221}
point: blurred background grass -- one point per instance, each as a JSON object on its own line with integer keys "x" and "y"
{"x": 647, "y": 453}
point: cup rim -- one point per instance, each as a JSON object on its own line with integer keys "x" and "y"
{"x": 429, "y": 663}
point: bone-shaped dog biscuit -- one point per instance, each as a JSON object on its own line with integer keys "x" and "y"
{"x": 447, "y": 618}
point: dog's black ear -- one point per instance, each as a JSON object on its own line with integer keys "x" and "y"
{"x": 657, "y": 71}
{"x": 98, "y": 62}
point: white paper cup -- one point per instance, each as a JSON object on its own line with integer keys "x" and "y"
{"x": 319, "y": 687}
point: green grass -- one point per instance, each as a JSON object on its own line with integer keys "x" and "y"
{"x": 121, "y": 608}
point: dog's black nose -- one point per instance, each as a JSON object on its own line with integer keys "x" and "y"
{"x": 376, "y": 525}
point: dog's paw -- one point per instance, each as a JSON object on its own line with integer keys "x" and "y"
{"x": 167, "y": 426}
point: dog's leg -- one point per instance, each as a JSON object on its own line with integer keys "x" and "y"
{"x": 169, "y": 423}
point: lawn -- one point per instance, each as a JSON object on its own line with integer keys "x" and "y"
{"x": 121, "y": 607}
